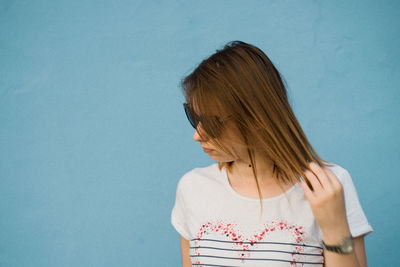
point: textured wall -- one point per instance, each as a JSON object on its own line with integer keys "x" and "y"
{"x": 93, "y": 137}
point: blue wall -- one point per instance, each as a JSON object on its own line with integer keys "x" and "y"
{"x": 93, "y": 137}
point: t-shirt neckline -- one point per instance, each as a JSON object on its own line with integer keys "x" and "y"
{"x": 229, "y": 187}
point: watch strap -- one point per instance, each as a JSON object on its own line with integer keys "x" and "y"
{"x": 345, "y": 247}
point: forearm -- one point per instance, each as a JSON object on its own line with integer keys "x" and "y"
{"x": 333, "y": 259}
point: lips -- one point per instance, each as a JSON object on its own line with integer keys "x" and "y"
{"x": 207, "y": 150}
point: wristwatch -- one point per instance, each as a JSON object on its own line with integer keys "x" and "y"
{"x": 346, "y": 247}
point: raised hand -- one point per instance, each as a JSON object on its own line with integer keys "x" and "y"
{"x": 327, "y": 202}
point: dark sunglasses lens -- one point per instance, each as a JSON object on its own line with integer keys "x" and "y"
{"x": 192, "y": 121}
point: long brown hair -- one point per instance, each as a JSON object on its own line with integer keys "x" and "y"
{"x": 241, "y": 82}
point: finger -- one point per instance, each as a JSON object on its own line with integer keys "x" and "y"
{"x": 316, "y": 185}
{"x": 307, "y": 190}
{"x": 332, "y": 177}
{"x": 322, "y": 176}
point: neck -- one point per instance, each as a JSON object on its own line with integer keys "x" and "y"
{"x": 243, "y": 171}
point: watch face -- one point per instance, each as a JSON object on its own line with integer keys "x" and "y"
{"x": 348, "y": 245}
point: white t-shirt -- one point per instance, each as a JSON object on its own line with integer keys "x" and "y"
{"x": 224, "y": 229}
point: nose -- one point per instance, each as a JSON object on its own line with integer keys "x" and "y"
{"x": 196, "y": 135}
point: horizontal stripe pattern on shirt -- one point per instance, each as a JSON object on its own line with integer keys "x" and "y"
{"x": 214, "y": 252}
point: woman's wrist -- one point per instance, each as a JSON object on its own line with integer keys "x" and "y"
{"x": 336, "y": 235}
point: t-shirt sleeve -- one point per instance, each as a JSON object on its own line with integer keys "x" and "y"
{"x": 179, "y": 214}
{"x": 356, "y": 218}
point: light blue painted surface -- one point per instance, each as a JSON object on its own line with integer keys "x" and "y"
{"x": 93, "y": 137}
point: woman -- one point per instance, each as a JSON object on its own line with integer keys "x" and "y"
{"x": 270, "y": 200}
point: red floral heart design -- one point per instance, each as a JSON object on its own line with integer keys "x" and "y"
{"x": 231, "y": 232}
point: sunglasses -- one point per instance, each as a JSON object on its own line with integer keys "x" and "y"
{"x": 195, "y": 119}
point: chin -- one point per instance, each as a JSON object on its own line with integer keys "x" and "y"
{"x": 221, "y": 159}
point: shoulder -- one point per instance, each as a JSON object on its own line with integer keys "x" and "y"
{"x": 200, "y": 177}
